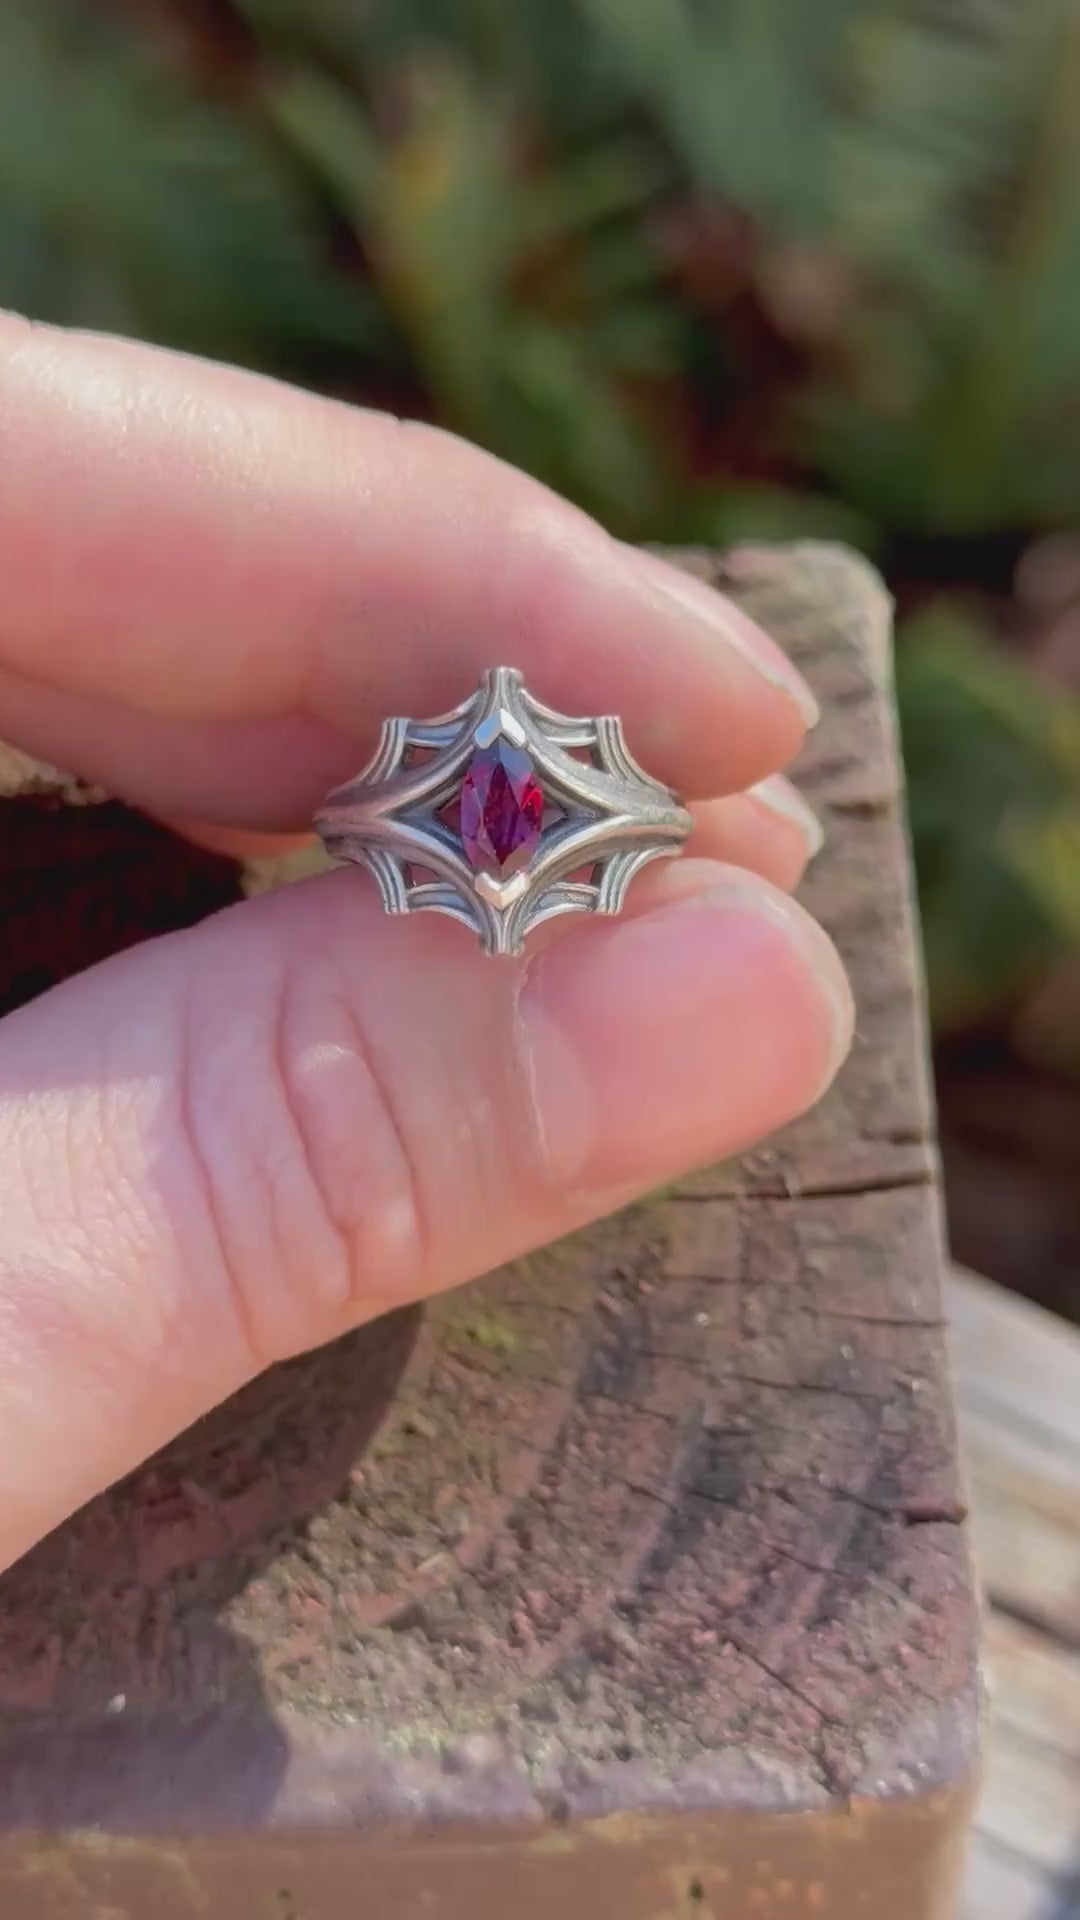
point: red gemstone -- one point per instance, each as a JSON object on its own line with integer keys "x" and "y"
{"x": 502, "y": 808}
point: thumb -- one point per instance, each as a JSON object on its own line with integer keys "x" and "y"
{"x": 235, "y": 1142}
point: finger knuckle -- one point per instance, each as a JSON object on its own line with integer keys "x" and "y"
{"x": 316, "y": 1209}
{"x": 339, "y": 1093}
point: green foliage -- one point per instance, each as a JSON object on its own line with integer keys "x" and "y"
{"x": 507, "y": 317}
{"x": 936, "y": 151}
{"x": 993, "y": 761}
{"x": 962, "y": 402}
{"x": 743, "y": 90}
{"x": 129, "y": 203}
{"x": 504, "y": 168}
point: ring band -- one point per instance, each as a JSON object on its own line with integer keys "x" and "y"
{"x": 502, "y": 814}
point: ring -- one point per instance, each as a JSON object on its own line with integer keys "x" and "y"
{"x": 502, "y": 814}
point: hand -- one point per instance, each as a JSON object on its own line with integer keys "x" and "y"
{"x": 236, "y": 1142}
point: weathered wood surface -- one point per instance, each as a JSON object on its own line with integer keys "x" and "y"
{"x": 1018, "y": 1376}
{"x": 651, "y": 1595}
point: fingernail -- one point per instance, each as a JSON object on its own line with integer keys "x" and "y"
{"x": 676, "y": 1036}
{"x": 802, "y": 930}
{"x": 828, "y": 971}
{"x": 726, "y": 622}
{"x": 781, "y": 797}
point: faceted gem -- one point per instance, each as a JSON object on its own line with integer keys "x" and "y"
{"x": 502, "y": 808}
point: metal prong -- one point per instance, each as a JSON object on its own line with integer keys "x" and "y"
{"x": 501, "y": 893}
{"x": 500, "y": 722}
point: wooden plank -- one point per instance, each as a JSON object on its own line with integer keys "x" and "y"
{"x": 1036, "y": 1684}
{"x": 1030, "y": 1801}
{"x": 651, "y": 1596}
{"x": 1019, "y": 1378}
{"x": 1014, "y": 1357}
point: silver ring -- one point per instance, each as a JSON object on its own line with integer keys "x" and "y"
{"x": 502, "y": 814}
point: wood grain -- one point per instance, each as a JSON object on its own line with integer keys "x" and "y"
{"x": 651, "y": 1593}
{"x": 1018, "y": 1374}
{"x": 1018, "y": 1371}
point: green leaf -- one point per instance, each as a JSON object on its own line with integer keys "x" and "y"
{"x": 592, "y": 446}
{"x": 993, "y": 763}
{"x": 741, "y": 90}
{"x": 128, "y": 203}
{"x": 488, "y": 272}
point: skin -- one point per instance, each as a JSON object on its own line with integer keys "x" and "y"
{"x": 236, "y": 1142}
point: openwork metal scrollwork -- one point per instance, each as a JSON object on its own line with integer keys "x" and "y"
{"x": 503, "y": 814}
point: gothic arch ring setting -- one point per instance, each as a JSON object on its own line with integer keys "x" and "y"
{"x": 503, "y": 814}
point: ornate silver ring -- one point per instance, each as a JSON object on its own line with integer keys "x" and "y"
{"x": 503, "y": 814}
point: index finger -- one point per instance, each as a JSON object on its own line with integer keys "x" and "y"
{"x": 204, "y": 546}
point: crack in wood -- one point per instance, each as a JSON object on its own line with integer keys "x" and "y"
{"x": 851, "y": 1576}
{"x": 912, "y": 1513}
{"x": 675, "y": 1421}
{"x": 831, "y": 767}
{"x": 777, "y": 1674}
{"x": 814, "y": 1312}
{"x": 828, "y": 1389}
{"x": 864, "y": 806}
{"x": 849, "y": 1189}
{"x": 789, "y": 1187}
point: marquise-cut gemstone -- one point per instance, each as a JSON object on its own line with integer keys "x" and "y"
{"x": 502, "y": 808}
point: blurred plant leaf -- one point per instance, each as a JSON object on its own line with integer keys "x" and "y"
{"x": 937, "y": 148}
{"x": 482, "y": 266}
{"x": 538, "y": 51}
{"x": 592, "y": 445}
{"x": 128, "y": 203}
{"x": 741, "y": 88}
{"x": 993, "y": 760}
{"x": 588, "y": 190}
{"x": 1047, "y": 853}
{"x": 431, "y": 210}
{"x": 961, "y": 159}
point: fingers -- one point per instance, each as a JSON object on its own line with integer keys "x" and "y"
{"x": 233, "y": 1143}
{"x": 268, "y": 771}
{"x": 181, "y": 540}
{"x": 770, "y": 830}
